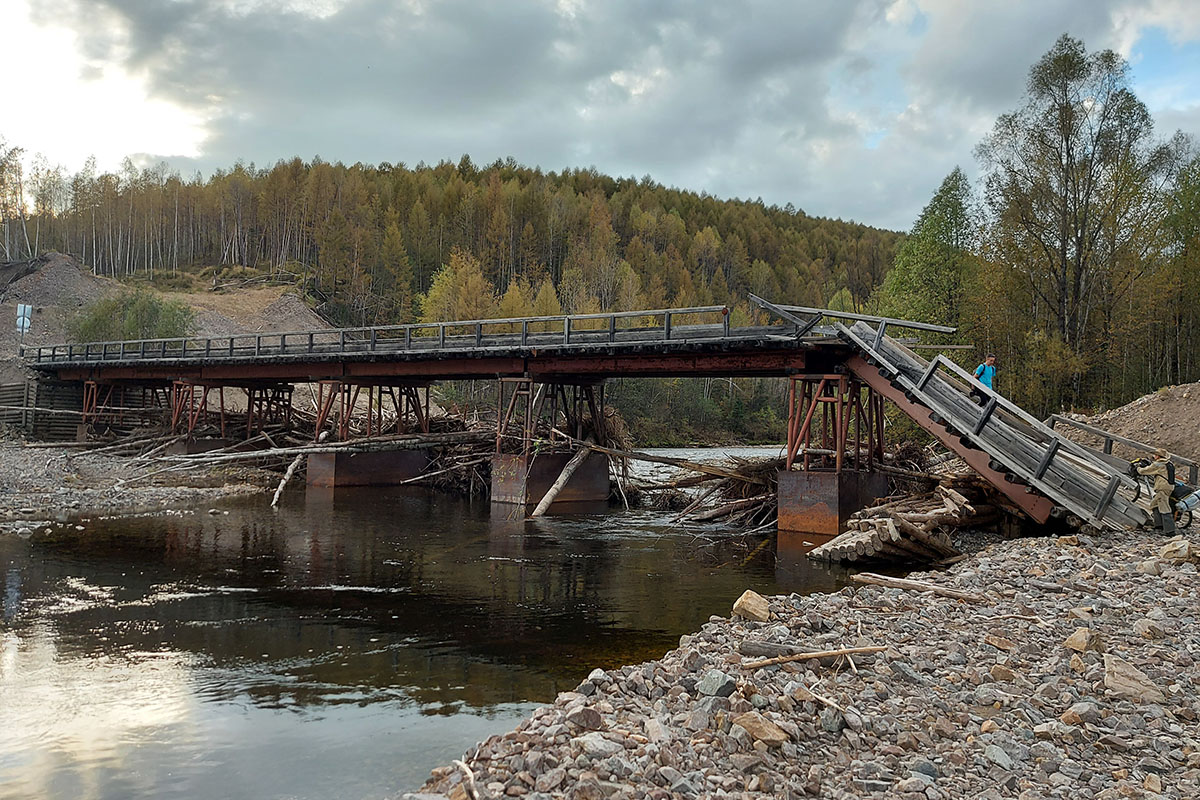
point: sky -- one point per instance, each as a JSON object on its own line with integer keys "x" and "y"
{"x": 853, "y": 109}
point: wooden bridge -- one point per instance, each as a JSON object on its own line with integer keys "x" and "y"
{"x": 840, "y": 375}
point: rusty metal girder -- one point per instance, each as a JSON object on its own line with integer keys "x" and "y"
{"x": 538, "y": 365}
{"x": 754, "y": 363}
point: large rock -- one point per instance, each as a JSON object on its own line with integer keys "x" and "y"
{"x": 596, "y": 746}
{"x": 587, "y": 718}
{"x": 716, "y": 684}
{"x": 1177, "y": 551}
{"x": 1125, "y": 680}
{"x": 1083, "y": 640}
{"x": 752, "y": 605}
{"x": 761, "y": 728}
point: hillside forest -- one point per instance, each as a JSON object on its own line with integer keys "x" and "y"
{"x": 1075, "y": 257}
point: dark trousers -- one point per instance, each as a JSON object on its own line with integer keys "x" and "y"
{"x": 1164, "y": 522}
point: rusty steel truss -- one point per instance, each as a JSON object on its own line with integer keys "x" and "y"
{"x": 834, "y": 421}
{"x": 524, "y": 406}
{"x": 337, "y": 402}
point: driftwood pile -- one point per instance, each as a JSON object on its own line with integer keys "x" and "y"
{"x": 740, "y": 492}
{"x": 915, "y": 528}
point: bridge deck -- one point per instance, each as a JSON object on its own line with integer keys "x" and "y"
{"x": 674, "y": 342}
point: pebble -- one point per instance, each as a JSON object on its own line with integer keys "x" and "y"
{"x": 1077, "y": 677}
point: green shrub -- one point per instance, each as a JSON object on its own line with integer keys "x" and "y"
{"x": 132, "y": 314}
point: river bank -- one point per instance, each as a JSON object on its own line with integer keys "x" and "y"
{"x": 1074, "y": 675}
{"x": 40, "y": 484}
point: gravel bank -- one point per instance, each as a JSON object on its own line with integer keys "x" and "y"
{"x": 42, "y": 484}
{"x": 1075, "y": 677}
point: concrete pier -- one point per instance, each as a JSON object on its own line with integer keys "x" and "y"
{"x": 521, "y": 481}
{"x": 332, "y": 470}
{"x": 822, "y": 502}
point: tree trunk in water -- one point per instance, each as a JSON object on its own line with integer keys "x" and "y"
{"x": 563, "y": 477}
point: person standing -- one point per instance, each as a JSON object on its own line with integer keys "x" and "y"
{"x": 1160, "y": 503}
{"x": 985, "y": 373}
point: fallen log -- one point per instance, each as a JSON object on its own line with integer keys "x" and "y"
{"x": 846, "y": 651}
{"x": 939, "y": 544}
{"x": 917, "y": 586}
{"x": 410, "y": 442}
{"x": 694, "y": 466}
{"x": 567, "y": 471}
{"x": 696, "y": 503}
{"x": 729, "y": 508}
{"x": 287, "y": 476}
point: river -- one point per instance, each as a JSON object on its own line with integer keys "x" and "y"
{"x": 339, "y": 646}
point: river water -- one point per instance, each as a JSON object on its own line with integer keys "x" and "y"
{"x": 340, "y": 646}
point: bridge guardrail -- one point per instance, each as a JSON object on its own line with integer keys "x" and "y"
{"x": 657, "y": 325}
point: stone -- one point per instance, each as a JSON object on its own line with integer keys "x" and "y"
{"x": 1000, "y": 642}
{"x": 596, "y": 746}
{"x": 744, "y": 762}
{"x": 999, "y": 672}
{"x": 1151, "y": 566}
{"x": 1148, "y": 629}
{"x": 988, "y": 726}
{"x": 906, "y": 673}
{"x": 1177, "y": 551}
{"x": 832, "y": 721}
{"x": 995, "y": 754}
{"x": 656, "y": 731}
{"x": 1152, "y": 783}
{"x": 1046, "y": 730}
{"x": 716, "y": 684}
{"x": 913, "y": 784}
{"x": 761, "y": 728}
{"x": 586, "y": 718}
{"x": 669, "y": 775}
{"x": 1083, "y": 640}
{"x": 868, "y": 785}
{"x": 1082, "y": 712}
{"x": 1125, "y": 680}
{"x": 753, "y": 606}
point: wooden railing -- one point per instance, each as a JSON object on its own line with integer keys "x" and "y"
{"x": 1109, "y": 439}
{"x": 658, "y": 325}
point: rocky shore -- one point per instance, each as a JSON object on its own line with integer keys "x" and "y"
{"x": 1072, "y": 673}
{"x": 39, "y": 485}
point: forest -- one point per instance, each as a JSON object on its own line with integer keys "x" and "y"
{"x": 1073, "y": 258}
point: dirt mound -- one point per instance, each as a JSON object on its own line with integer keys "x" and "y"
{"x": 1167, "y": 418}
{"x": 59, "y": 287}
{"x": 56, "y": 280}
{"x": 289, "y": 313}
{"x": 257, "y": 310}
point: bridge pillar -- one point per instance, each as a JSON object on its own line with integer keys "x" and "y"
{"x": 835, "y": 438}
{"x": 335, "y": 470}
{"x": 822, "y": 502}
{"x": 531, "y": 449}
{"x": 519, "y": 482}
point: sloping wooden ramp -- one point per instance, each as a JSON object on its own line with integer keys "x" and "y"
{"x": 1025, "y": 459}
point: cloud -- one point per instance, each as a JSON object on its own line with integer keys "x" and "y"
{"x": 855, "y": 109}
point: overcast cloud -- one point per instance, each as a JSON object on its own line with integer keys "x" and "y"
{"x": 853, "y": 109}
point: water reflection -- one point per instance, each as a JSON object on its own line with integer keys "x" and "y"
{"x": 339, "y": 646}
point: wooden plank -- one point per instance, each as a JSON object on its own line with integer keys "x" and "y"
{"x": 1003, "y": 443}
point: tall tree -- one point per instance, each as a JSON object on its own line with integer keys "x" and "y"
{"x": 925, "y": 283}
{"x": 1076, "y": 160}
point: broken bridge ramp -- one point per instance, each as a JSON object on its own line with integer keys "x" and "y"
{"x": 1033, "y": 465}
